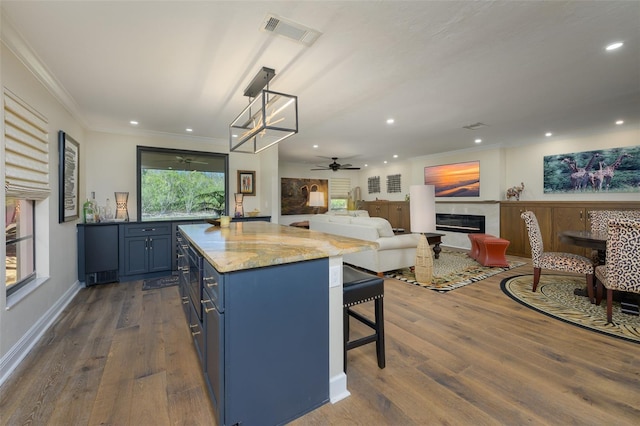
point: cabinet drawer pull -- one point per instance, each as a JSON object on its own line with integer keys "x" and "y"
{"x": 180, "y": 255}
{"x": 184, "y": 302}
{"x": 193, "y": 325}
{"x": 148, "y": 229}
{"x": 195, "y": 333}
{"x": 207, "y": 310}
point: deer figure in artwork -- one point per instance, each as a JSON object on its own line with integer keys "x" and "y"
{"x": 597, "y": 177}
{"x": 582, "y": 175}
{"x": 608, "y": 171}
{"x": 515, "y": 191}
{"x": 574, "y": 171}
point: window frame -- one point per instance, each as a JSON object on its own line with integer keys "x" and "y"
{"x": 140, "y": 150}
{"x": 13, "y": 288}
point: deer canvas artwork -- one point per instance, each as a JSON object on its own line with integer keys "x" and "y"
{"x": 599, "y": 171}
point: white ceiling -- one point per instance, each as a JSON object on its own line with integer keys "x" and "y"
{"x": 522, "y": 68}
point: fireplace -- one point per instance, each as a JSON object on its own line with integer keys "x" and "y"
{"x": 463, "y": 223}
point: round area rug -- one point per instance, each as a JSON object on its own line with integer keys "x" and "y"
{"x": 554, "y": 297}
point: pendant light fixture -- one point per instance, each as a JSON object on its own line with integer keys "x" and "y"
{"x": 269, "y": 118}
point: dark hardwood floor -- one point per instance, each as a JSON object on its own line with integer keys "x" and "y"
{"x": 121, "y": 356}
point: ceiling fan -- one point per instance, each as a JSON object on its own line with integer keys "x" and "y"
{"x": 335, "y": 166}
{"x": 187, "y": 160}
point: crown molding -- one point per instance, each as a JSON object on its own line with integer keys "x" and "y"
{"x": 14, "y": 41}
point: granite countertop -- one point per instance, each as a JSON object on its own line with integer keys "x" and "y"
{"x": 246, "y": 245}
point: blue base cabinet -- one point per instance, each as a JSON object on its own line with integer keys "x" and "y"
{"x": 267, "y": 341}
{"x": 145, "y": 249}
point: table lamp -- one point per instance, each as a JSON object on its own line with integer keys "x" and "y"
{"x": 239, "y": 210}
{"x": 122, "y": 213}
{"x": 423, "y": 220}
{"x": 316, "y": 199}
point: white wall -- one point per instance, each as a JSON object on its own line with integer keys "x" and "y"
{"x": 524, "y": 164}
{"x": 24, "y": 316}
{"x": 111, "y": 166}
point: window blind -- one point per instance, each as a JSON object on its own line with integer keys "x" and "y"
{"x": 26, "y": 141}
{"x": 340, "y": 188}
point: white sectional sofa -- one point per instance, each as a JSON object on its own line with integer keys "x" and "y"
{"x": 395, "y": 252}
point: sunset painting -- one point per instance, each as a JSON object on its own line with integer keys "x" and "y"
{"x": 454, "y": 180}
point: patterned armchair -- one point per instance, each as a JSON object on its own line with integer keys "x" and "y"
{"x": 622, "y": 270}
{"x": 566, "y": 262}
{"x": 599, "y": 220}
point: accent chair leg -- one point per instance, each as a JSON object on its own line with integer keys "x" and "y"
{"x": 609, "y": 305}
{"x": 598, "y": 292}
{"x": 590, "y": 283}
{"x": 536, "y": 278}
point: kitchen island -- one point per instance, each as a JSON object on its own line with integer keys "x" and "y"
{"x": 266, "y": 313}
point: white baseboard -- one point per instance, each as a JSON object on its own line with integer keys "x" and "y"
{"x": 21, "y": 349}
{"x": 338, "y": 388}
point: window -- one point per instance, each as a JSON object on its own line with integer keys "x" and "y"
{"x": 339, "y": 193}
{"x": 26, "y": 162}
{"x": 19, "y": 233}
{"x": 177, "y": 184}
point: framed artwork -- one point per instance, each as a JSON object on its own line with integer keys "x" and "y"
{"x": 598, "y": 171}
{"x": 454, "y": 180}
{"x": 68, "y": 178}
{"x": 296, "y": 195}
{"x": 246, "y": 182}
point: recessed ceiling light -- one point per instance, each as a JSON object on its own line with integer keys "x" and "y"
{"x": 619, "y": 122}
{"x": 478, "y": 141}
{"x": 188, "y": 130}
{"x": 315, "y": 146}
{"x": 135, "y": 123}
{"x": 395, "y": 155}
{"x": 548, "y": 134}
{"x": 614, "y": 46}
{"x": 390, "y": 121}
{"x": 385, "y": 161}
{"x": 366, "y": 165}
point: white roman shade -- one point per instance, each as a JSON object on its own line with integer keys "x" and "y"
{"x": 339, "y": 188}
{"x": 26, "y": 139}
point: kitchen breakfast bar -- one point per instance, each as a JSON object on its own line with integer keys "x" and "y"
{"x": 264, "y": 305}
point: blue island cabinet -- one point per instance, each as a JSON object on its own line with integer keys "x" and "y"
{"x": 266, "y": 357}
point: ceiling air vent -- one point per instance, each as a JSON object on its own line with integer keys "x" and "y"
{"x": 475, "y": 126}
{"x": 289, "y": 29}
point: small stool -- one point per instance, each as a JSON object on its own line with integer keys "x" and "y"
{"x": 492, "y": 252}
{"x": 360, "y": 287}
{"x": 475, "y": 248}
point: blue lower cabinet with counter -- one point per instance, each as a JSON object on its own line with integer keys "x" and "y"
{"x": 266, "y": 338}
{"x": 145, "y": 248}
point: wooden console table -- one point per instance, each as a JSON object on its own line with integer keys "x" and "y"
{"x": 435, "y": 239}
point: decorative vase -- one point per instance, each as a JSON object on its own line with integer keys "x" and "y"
{"x": 424, "y": 261}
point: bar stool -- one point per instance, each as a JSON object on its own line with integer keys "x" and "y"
{"x": 360, "y": 287}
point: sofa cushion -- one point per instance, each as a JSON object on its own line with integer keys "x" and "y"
{"x": 320, "y": 218}
{"x": 382, "y": 225}
{"x": 340, "y": 219}
{"x": 398, "y": 242}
